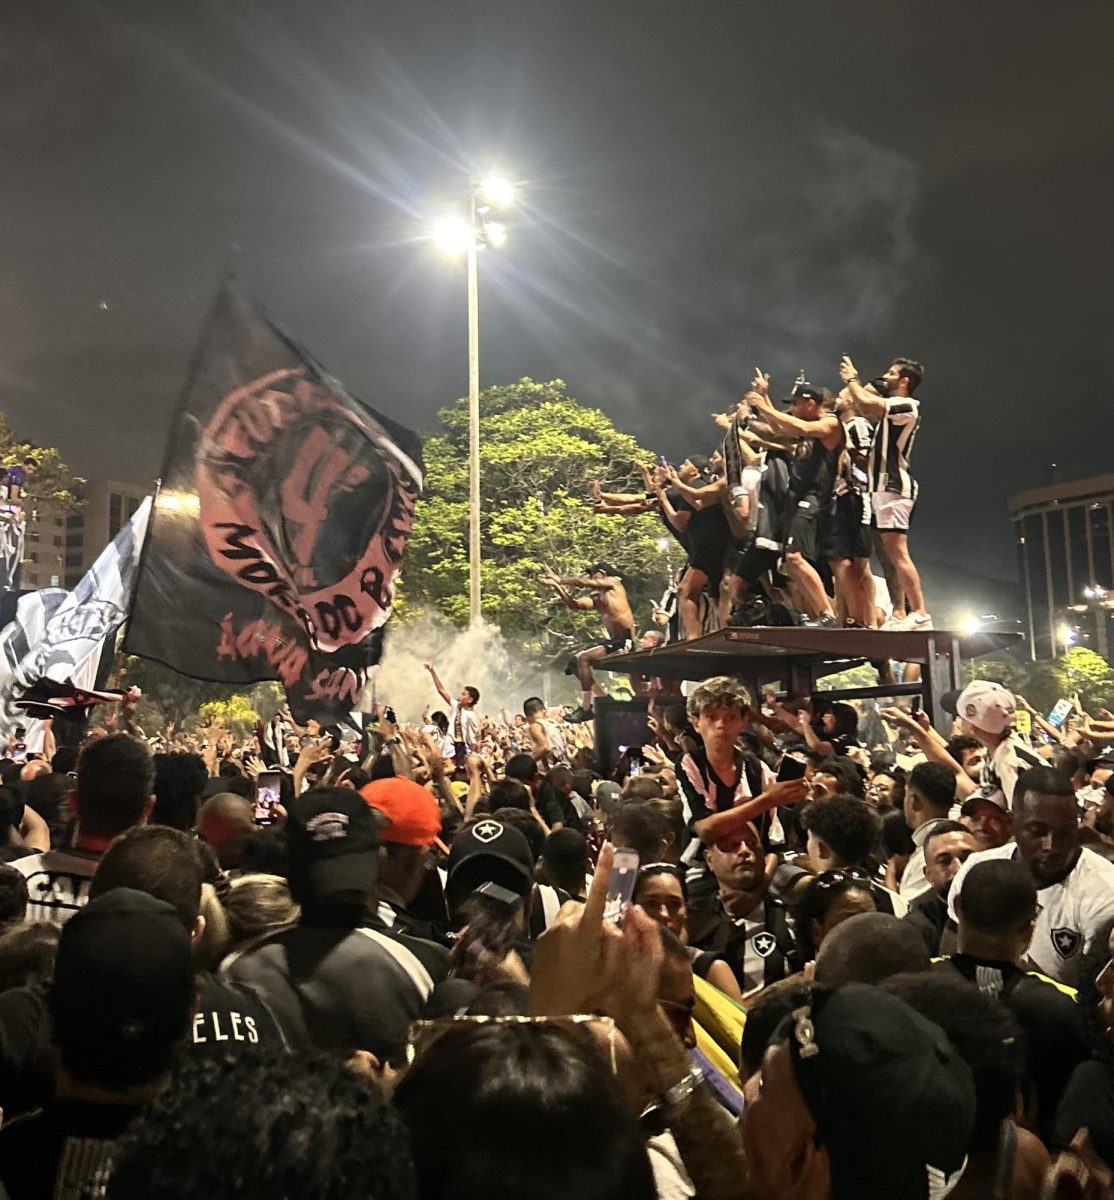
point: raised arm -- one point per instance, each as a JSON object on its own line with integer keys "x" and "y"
{"x": 866, "y": 404}
{"x": 934, "y": 747}
{"x": 442, "y": 691}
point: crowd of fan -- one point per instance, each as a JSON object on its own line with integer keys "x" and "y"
{"x": 861, "y": 959}
{"x": 779, "y": 523}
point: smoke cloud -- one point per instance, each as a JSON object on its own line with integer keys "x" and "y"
{"x": 479, "y": 656}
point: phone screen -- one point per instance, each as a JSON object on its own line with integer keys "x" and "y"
{"x": 790, "y": 768}
{"x": 620, "y": 887}
{"x": 1059, "y": 713}
{"x": 267, "y": 797}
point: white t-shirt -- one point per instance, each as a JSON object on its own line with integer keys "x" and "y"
{"x": 469, "y": 726}
{"x": 1071, "y": 911}
{"x": 57, "y": 884}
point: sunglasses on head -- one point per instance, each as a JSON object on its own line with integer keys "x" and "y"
{"x": 830, "y": 879}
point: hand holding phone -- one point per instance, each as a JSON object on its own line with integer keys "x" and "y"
{"x": 620, "y": 888}
{"x": 267, "y": 793}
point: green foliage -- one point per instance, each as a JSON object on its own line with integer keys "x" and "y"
{"x": 173, "y": 699}
{"x": 1043, "y": 683}
{"x": 51, "y": 482}
{"x": 538, "y": 450}
{"x": 234, "y": 714}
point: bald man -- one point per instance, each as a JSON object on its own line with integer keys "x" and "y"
{"x": 225, "y": 822}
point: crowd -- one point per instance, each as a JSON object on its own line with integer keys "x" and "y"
{"x": 855, "y": 958}
{"x": 779, "y": 523}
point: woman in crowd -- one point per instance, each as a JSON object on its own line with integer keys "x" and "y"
{"x": 662, "y": 893}
{"x": 826, "y": 901}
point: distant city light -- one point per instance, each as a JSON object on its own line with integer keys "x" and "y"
{"x": 172, "y": 501}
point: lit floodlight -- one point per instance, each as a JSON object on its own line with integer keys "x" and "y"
{"x": 496, "y": 190}
{"x": 970, "y": 625}
{"x": 453, "y": 236}
{"x": 1088, "y": 593}
{"x": 1067, "y": 635}
{"x": 495, "y": 234}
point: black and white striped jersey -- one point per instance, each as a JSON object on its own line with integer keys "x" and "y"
{"x": 888, "y": 464}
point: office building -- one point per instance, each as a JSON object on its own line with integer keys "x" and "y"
{"x": 1065, "y": 537}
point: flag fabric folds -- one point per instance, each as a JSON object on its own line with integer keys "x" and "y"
{"x": 58, "y": 635}
{"x": 281, "y": 521}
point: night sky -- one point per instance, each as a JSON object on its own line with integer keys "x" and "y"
{"x": 708, "y": 186}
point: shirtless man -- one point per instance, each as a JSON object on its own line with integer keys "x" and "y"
{"x": 609, "y": 598}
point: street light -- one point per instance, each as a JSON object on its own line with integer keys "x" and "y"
{"x": 455, "y": 236}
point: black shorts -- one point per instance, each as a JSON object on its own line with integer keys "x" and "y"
{"x": 844, "y": 533}
{"x": 802, "y": 535}
{"x": 708, "y": 559}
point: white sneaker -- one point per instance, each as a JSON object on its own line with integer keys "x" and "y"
{"x": 913, "y": 622}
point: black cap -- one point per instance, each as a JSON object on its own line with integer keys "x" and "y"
{"x": 489, "y": 852}
{"x": 805, "y": 391}
{"x": 333, "y": 841}
{"x": 948, "y": 700}
{"x": 893, "y": 1101}
{"x": 123, "y": 978}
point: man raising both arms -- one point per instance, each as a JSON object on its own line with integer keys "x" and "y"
{"x": 609, "y": 598}
{"x": 893, "y": 490}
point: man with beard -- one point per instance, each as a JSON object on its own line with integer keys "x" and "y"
{"x": 948, "y": 846}
{"x": 893, "y": 490}
{"x": 1075, "y": 886}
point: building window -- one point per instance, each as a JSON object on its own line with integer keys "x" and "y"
{"x": 133, "y": 505}
{"x": 58, "y": 541}
{"x": 115, "y": 514}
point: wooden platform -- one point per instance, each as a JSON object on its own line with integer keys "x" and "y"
{"x": 796, "y": 657}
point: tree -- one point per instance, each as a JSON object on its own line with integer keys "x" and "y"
{"x": 1087, "y": 673}
{"x": 234, "y": 714}
{"x": 170, "y": 698}
{"x": 538, "y": 450}
{"x": 51, "y": 482}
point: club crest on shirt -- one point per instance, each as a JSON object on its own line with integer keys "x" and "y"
{"x": 764, "y": 944}
{"x": 1066, "y": 942}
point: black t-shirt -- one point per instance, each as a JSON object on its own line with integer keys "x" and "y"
{"x": 77, "y": 1133}
{"x": 1051, "y": 1019}
{"x": 1088, "y": 1101}
{"x": 228, "y": 1018}
{"x": 556, "y": 808}
{"x": 708, "y": 532}
{"x": 679, "y": 504}
{"x": 756, "y": 947}
{"x": 929, "y": 913}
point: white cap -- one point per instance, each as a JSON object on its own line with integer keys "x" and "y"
{"x": 987, "y": 706}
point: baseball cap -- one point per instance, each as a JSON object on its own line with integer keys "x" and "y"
{"x": 805, "y": 391}
{"x": 412, "y": 813}
{"x": 993, "y": 796}
{"x": 986, "y": 705}
{"x": 607, "y": 795}
{"x": 489, "y": 851}
{"x": 893, "y": 1101}
{"x": 123, "y": 977}
{"x": 333, "y": 842}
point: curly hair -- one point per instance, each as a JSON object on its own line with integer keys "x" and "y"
{"x": 721, "y": 691}
{"x": 849, "y": 825}
{"x": 254, "y": 1130}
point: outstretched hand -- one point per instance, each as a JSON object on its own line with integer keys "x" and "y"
{"x": 847, "y": 370}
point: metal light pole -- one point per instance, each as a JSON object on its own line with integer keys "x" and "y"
{"x": 473, "y": 423}
{"x": 455, "y": 235}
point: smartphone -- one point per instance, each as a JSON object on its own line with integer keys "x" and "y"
{"x": 267, "y": 794}
{"x": 620, "y": 887}
{"x": 790, "y": 768}
{"x": 1022, "y": 722}
{"x": 1060, "y": 712}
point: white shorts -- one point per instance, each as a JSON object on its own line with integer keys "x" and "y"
{"x": 889, "y": 511}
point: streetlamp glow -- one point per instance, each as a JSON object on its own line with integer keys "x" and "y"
{"x": 496, "y": 190}
{"x": 454, "y": 236}
{"x": 970, "y": 625}
{"x": 1067, "y": 635}
{"x": 495, "y": 234}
